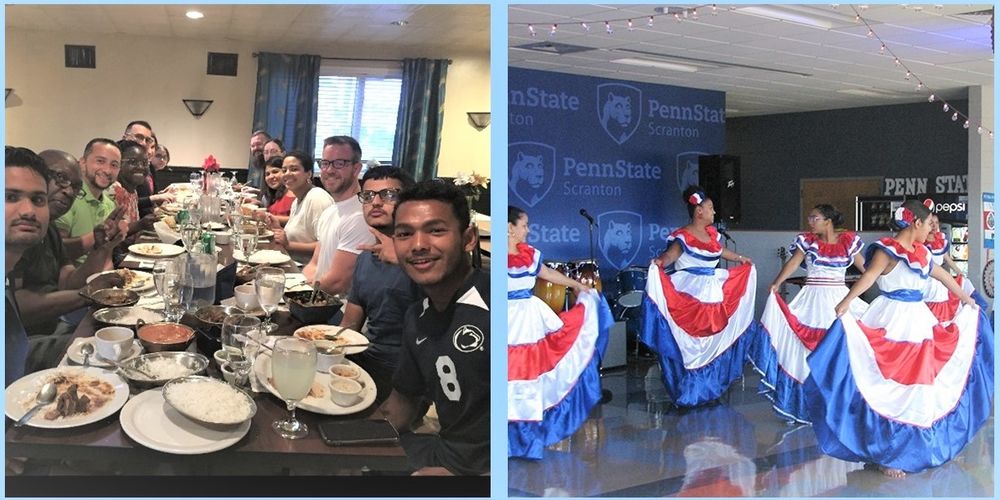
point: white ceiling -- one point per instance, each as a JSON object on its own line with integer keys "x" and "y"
{"x": 441, "y": 30}
{"x": 762, "y": 60}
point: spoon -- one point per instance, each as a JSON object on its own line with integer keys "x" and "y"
{"x": 86, "y": 349}
{"x": 45, "y": 396}
{"x": 126, "y": 368}
{"x": 315, "y": 287}
{"x": 334, "y": 335}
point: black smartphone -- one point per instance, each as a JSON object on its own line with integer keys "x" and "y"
{"x": 358, "y": 432}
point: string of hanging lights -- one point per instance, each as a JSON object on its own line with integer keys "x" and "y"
{"x": 680, "y": 14}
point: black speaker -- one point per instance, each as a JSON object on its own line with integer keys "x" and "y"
{"x": 720, "y": 176}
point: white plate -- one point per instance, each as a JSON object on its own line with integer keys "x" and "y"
{"x": 25, "y": 388}
{"x": 263, "y": 257}
{"x": 143, "y": 282}
{"x": 151, "y": 422}
{"x": 324, "y": 405}
{"x": 74, "y": 354}
{"x": 296, "y": 282}
{"x": 350, "y": 336}
{"x": 156, "y": 249}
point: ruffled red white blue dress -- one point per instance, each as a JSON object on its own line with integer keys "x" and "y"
{"x": 939, "y": 299}
{"x": 698, "y": 319}
{"x": 789, "y": 332}
{"x": 552, "y": 360}
{"x": 896, "y": 387}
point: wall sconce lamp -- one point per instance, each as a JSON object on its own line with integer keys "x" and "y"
{"x": 7, "y": 94}
{"x": 479, "y": 120}
{"x": 197, "y": 107}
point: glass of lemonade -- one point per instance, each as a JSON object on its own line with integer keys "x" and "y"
{"x": 269, "y": 283}
{"x": 293, "y": 368}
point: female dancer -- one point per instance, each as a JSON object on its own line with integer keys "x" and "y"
{"x": 791, "y": 331}
{"x": 944, "y": 305}
{"x": 552, "y": 360}
{"x": 897, "y": 388}
{"x": 696, "y": 318}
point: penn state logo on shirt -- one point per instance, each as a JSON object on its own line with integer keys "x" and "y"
{"x": 468, "y": 338}
{"x": 532, "y": 170}
{"x": 619, "y": 236}
{"x": 619, "y": 107}
{"x": 687, "y": 169}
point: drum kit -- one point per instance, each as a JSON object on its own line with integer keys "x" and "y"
{"x": 631, "y": 284}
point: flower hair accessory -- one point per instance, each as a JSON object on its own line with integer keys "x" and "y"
{"x": 210, "y": 164}
{"x": 696, "y": 198}
{"x": 904, "y": 217}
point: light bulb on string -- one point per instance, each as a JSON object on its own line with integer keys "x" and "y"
{"x": 991, "y": 134}
{"x": 966, "y": 124}
{"x": 871, "y": 34}
{"x": 630, "y": 27}
{"x": 857, "y": 18}
{"x": 715, "y": 10}
{"x": 608, "y": 29}
{"x": 897, "y": 61}
{"x": 552, "y": 32}
{"x": 954, "y": 117}
{"x": 931, "y": 98}
{"x": 585, "y": 27}
{"x": 908, "y": 75}
{"x": 531, "y": 29}
{"x": 677, "y": 17}
{"x": 979, "y": 130}
{"x": 650, "y": 22}
{"x": 920, "y": 86}
{"x": 945, "y": 107}
{"x": 694, "y": 14}
{"x": 881, "y": 50}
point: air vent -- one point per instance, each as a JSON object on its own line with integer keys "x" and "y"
{"x": 222, "y": 64}
{"x": 81, "y": 56}
{"x": 554, "y": 48}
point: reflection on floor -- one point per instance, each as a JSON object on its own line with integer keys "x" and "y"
{"x": 640, "y": 445}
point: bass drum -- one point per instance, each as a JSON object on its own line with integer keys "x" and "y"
{"x": 632, "y": 286}
{"x": 585, "y": 271}
{"x": 552, "y": 294}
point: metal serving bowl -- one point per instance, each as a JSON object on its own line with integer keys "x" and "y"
{"x": 114, "y": 316}
{"x": 210, "y": 318}
{"x": 169, "y": 396}
{"x": 114, "y": 297}
{"x": 194, "y": 362}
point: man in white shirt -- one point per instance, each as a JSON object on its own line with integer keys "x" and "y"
{"x": 341, "y": 228}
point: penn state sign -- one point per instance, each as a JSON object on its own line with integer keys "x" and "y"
{"x": 622, "y": 150}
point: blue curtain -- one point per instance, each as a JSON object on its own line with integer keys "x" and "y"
{"x": 421, "y": 112}
{"x": 287, "y": 98}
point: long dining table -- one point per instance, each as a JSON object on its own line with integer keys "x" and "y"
{"x": 260, "y": 452}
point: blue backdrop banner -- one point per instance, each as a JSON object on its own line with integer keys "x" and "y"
{"x": 621, "y": 151}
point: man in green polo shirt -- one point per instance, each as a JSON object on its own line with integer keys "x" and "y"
{"x": 83, "y": 226}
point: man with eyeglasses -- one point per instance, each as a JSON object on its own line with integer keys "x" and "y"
{"x": 142, "y": 132}
{"x": 46, "y": 280}
{"x": 341, "y": 228}
{"x": 380, "y": 292}
{"x": 92, "y": 219}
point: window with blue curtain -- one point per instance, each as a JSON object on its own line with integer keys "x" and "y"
{"x": 363, "y": 107}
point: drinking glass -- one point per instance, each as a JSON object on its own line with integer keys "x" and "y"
{"x": 178, "y": 288}
{"x": 196, "y": 179}
{"x": 247, "y": 243}
{"x": 293, "y": 368}
{"x": 241, "y": 338}
{"x": 190, "y": 236}
{"x": 269, "y": 283}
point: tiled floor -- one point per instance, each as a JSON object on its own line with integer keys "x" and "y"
{"x": 639, "y": 445}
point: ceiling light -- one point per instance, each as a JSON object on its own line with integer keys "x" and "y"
{"x": 194, "y": 14}
{"x": 400, "y": 23}
{"x": 799, "y": 15}
{"x": 648, "y": 63}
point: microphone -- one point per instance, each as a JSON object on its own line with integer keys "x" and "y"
{"x": 583, "y": 212}
{"x": 725, "y": 234}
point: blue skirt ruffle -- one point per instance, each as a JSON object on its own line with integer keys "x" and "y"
{"x": 786, "y": 395}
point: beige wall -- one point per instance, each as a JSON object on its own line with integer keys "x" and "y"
{"x": 60, "y": 108}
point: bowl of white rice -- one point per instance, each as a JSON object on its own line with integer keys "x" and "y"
{"x": 163, "y": 366}
{"x": 209, "y": 401}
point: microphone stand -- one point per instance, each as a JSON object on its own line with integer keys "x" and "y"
{"x": 590, "y": 226}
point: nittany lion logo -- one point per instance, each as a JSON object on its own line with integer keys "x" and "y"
{"x": 468, "y": 338}
{"x": 687, "y": 169}
{"x": 619, "y": 107}
{"x": 619, "y": 237}
{"x": 532, "y": 167}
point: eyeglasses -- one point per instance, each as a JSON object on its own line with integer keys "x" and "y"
{"x": 387, "y": 195}
{"x": 337, "y": 164}
{"x": 63, "y": 181}
{"x": 142, "y": 139}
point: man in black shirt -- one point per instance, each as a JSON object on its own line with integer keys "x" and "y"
{"x": 444, "y": 355}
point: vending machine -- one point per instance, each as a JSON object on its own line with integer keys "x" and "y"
{"x": 874, "y": 213}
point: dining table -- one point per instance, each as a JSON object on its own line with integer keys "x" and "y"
{"x": 260, "y": 452}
